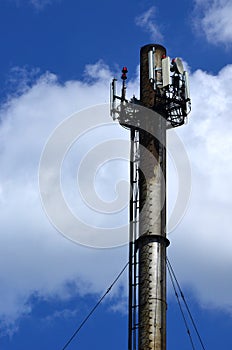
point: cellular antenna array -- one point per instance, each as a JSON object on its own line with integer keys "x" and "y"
{"x": 164, "y": 103}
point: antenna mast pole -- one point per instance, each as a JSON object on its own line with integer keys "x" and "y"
{"x": 152, "y": 241}
{"x": 164, "y": 89}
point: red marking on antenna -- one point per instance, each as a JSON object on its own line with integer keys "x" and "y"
{"x": 124, "y": 77}
{"x": 124, "y": 70}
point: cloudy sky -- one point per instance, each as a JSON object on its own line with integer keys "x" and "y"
{"x": 57, "y": 58}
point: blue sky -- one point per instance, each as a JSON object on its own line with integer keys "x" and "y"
{"x": 58, "y": 57}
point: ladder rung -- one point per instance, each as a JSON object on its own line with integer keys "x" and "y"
{"x": 134, "y": 328}
{"x": 135, "y": 284}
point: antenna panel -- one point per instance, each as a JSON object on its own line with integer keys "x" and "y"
{"x": 113, "y": 97}
{"x": 151, "y": 65}
{"x": 179, "y": 65}
{"x": 166, "y": 71}
{"x": 187, "y": 91}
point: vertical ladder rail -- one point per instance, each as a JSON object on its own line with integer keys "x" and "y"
{"x": 134, "y": 234}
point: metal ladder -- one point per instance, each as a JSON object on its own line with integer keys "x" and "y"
{"x": 133, "y": 323}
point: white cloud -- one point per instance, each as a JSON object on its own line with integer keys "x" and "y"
{"x": 36, "y": 260}
{"x": 61, "y": 314}
{"x": 37, "y": 4}
{"x": 214, "y": 18}
{"x": 147, "y": 22}
{"x": 201, "y": 246}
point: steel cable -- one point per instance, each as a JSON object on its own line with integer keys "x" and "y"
{"x": 171, "y": 271}
{"x": 181, "y": 309}
{"x": 94, "y": 308}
